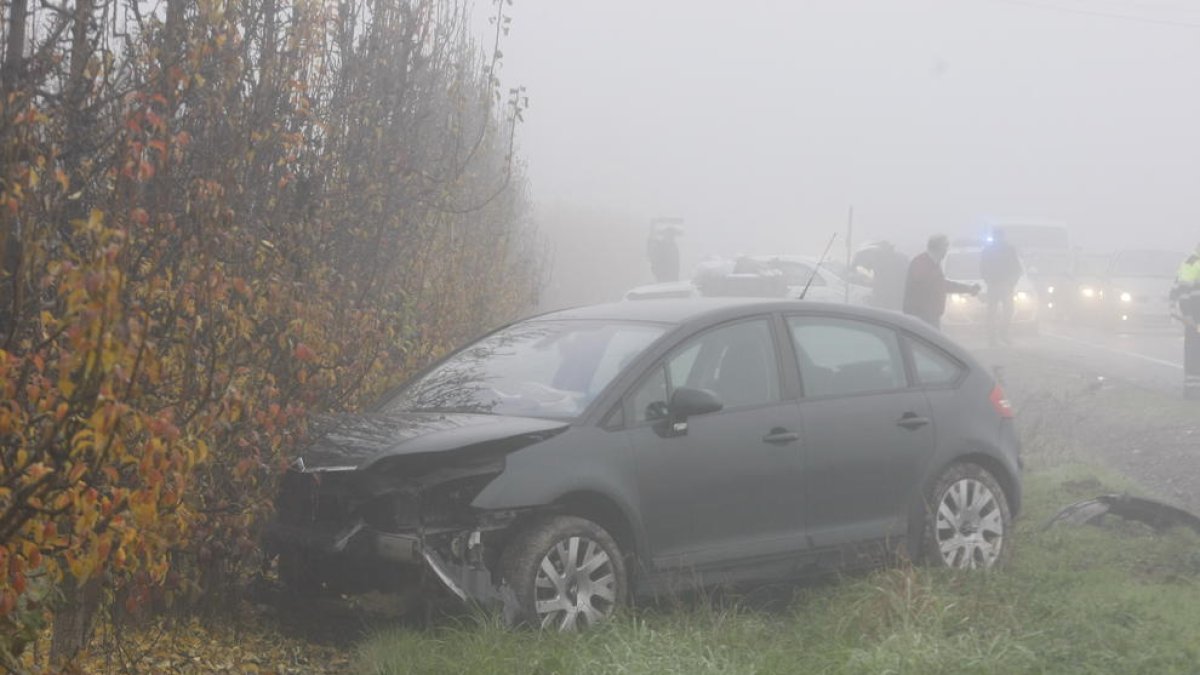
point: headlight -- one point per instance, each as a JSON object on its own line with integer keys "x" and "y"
{"x": 1021, "y": 296}
{"x": 958, "y": 299}
{"x": 1087, "y": 292}
{"x": 1050, "y": 290}
{"x": 1126, "y": 297}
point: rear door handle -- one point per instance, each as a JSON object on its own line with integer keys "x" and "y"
{"x": 912, "y": 421}
{"x": 781, "y": 437}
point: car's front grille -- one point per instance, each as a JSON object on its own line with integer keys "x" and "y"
{"x": 308, "y": 498}
{"x": 298, "y": 498}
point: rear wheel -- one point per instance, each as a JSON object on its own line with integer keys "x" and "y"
{"x": 567, "y": 573}
{"x": 967, "y": 520}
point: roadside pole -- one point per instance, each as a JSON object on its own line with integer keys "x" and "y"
{"x": 849, "y": 251}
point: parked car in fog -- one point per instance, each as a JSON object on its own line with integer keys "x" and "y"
{"x": 664, "y": 291}
{"x": 567, "y": 463}
{"x": 767, "y": 276}
{"x": 1137, "y": 288}
{"x": 821, "y": 278}
{"x": 1084, "y": 299}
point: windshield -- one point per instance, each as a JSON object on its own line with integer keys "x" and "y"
{"x": 548, "y": 369}
{"x": 1150, "y": 264}
{"x": 962, "y": 265}
{"x": 1047, "y": 263}
{"x": 1092, "y": 266}
{"x": 1029, "y": 237}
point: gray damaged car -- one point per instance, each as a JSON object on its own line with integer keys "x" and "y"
{"x": 567, "y": 463}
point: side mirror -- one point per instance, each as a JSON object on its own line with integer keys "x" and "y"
{"x": 687, "y": 402}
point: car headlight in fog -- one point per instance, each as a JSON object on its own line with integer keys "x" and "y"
{"x": 1050, "y": 290}
{"x": 1087, "y": 292}
{"x": 958, "y": 299}
{"x": 1021, "y": 296}
{"x": 1126, "y": 297}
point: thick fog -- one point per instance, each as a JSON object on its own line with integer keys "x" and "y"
{"x": 761, "y": 123}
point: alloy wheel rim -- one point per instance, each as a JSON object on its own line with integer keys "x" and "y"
{"x": 970, "y": 526}
{"x": 575, "y": 586}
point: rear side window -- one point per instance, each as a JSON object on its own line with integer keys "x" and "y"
{"x": 933, "y": 366}
{"x": 842, "y": 357}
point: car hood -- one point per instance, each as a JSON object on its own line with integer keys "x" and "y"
{"x": 358, "y": 441}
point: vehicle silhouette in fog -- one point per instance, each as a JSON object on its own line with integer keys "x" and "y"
{"x": 964, "y": 263}
{"x": 1137, "y": 289}
{"x": 567, "y": 463}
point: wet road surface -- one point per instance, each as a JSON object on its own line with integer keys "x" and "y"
{"x": 1151, "y": 358}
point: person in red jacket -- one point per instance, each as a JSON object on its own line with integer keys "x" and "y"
{"x": 926, "y": 288}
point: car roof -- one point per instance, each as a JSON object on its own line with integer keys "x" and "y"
{"x": 807, "y": 260}
{"x": 678, "y": 311}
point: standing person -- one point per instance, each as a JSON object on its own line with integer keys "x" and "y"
{"x": 1000, "y": 268}
{"x": 926, "y": 287}
{"x": 887, "y": 268}
{"x": 1187, "y": 293}
{"x": 663, "y": 252}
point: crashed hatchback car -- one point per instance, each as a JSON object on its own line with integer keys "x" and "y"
{"x": 567, "y": 463}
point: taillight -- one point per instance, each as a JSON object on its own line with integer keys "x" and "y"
{"x": 1001, "y": 403}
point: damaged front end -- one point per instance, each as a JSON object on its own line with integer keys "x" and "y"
{"x": 393, "y": 522}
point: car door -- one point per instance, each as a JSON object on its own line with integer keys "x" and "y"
{"x": 867, "y": 434}
{"x": 726, "y": 487}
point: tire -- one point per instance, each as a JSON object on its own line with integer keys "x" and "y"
{"x": 968, "y": 524}
{"x": 566, "y": 573}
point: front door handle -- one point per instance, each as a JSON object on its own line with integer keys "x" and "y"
{"x": 912, "y": 421}
{"x": 780, "y": 436}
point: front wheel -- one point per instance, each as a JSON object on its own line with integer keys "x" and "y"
{"x": 567, "y": 573}
{"x": 967, "y": 520}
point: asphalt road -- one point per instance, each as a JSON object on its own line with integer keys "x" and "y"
{"x": 1151, "y": 358}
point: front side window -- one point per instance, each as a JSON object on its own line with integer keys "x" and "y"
{"x": 736, "y": 362}
{"x": 538, "y": 368}
{"x": 841, "y": 357}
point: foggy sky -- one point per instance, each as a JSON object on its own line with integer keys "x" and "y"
{"x": 760, "y": 122}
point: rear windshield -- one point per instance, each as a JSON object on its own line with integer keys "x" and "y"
{"x": 1152, "y": 264}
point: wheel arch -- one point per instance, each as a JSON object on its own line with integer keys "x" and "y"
{"x": 605, "y": 512}
{"x": 1002, "y": 474}
{"x": 916, "y": 515}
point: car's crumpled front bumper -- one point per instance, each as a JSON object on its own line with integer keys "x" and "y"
{"x": 326, "y": 524}
{"x": 454, "y": 556}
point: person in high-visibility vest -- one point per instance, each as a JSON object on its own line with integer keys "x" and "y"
{"x": 1187, "y": 294}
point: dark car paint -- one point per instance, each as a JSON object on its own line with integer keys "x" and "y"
{"x": 359, "y": 441}
{"x": 749, "y": 514}
{"x": 948, "y": 441}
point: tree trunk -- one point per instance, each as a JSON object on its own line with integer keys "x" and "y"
{"x": 14, "y": 53}
{"x": 73, "y": 621}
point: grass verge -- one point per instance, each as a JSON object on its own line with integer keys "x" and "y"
{"x": 1118, "y": 599}
{"x": 1078, "y": 600}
